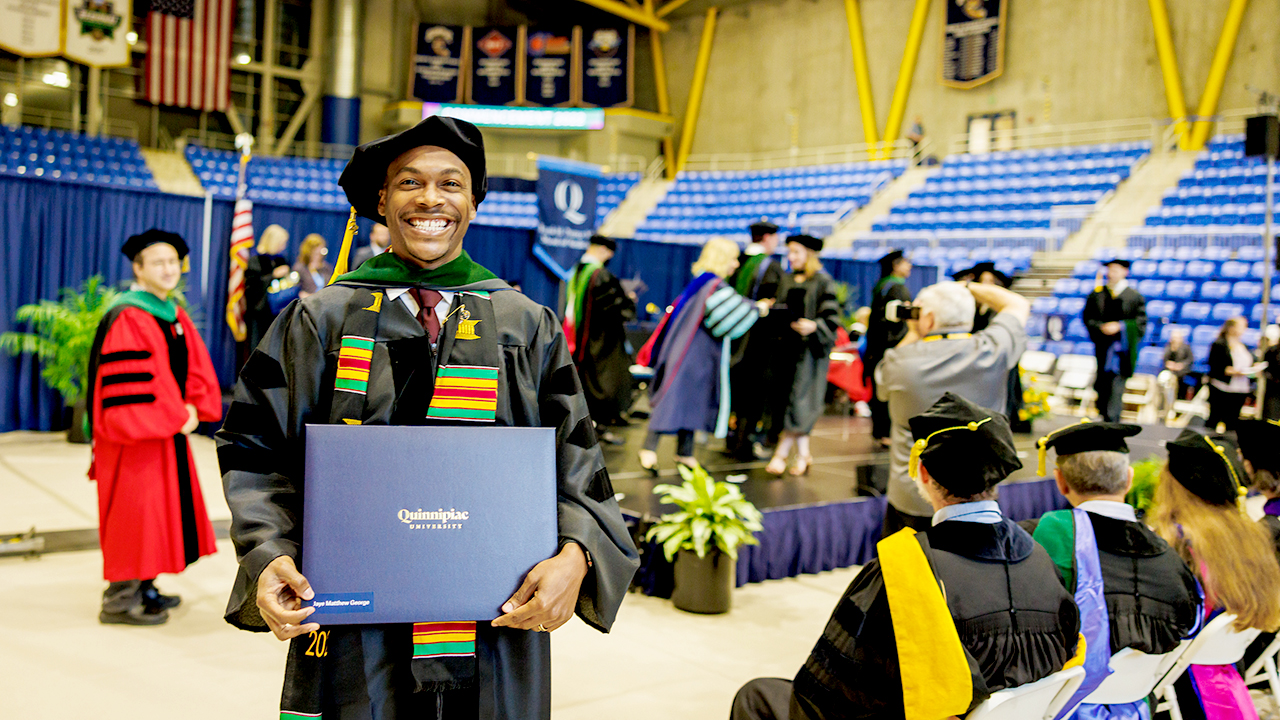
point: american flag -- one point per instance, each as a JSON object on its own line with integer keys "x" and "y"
{"x": 241, "y": 242}
{"x": 188, "y": 53}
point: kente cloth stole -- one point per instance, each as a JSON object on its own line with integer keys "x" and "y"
{"x": 936, "y": 681}
{"x": 466, "y": 391}
{"x": 1095, "y": 625}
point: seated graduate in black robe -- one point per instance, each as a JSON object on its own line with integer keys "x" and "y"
{"x": 420, "y": 335}
{"x": 1152, "y": 598}
{"x": 969, "y": 607}
{"x": 596, "y": 313}
{"x": 1259, "y": 441}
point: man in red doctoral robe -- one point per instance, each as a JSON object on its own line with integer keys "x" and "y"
{"x": 151, "y": 382}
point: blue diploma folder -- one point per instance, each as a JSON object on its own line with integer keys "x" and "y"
{"x": 424, "y": 524}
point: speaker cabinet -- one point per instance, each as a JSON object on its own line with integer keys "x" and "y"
{"x": 1262, "y": 136}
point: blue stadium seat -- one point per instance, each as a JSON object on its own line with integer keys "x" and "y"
{"x": 1180, "y": 289}
{"x": 1200, "y": 269}
{"x": 1224, "y": 311}
{"x": 1076, "y": 330}
{"x": 1083, "y": 347}
{"x": 1250, "y": 253}
{"x": 1169, "y": 328}
{"x": 1144, "y": 269}
{"x": 1060, "y": 347}
{"x": 1251, "y": 337}
{"x": 1070, "y": 306}
{"x": 1247, "y": 291}
{"x": 1255, "y": 313}
{"x": 1151, "y": 288}
{"x": 1066, "y": 287}
{"x": 1214, "y": 290}
{"x": 1194, "y": 312}
{"x": 1171, "y": 269}
{"x": 1044, "y": 305}
{"x": 1234, "y": 269}
{"x": 1087, "y": 269}
{"x": 1165, "y": 309}
{"x": 1150, "y": 361}
{"x": 1204, "y": 335}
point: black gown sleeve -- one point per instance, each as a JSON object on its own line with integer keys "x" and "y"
{"x": 772, "y": 280}
{"x": 260, "y": 450}
{"x": 588, "y": 512}
{"x": 609, "y": 301}
{"x": 828, "y": 317}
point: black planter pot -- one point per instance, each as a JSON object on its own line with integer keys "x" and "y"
{"x": 703, "y": 585}
{"x": 75, "y": 433}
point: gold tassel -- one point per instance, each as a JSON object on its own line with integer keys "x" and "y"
{"x": 1241, "y": 491}
{"x": 1043, "y": 445}
{"x": 913, "y": 468}
{"x": 340, "y": 267}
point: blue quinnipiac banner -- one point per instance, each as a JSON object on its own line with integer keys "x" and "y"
{"x": 549, "y": 77}
{"x": 497, "y": 66}
{"x": 607, "y": 66}
{"x": 439, "y": 62}
{"x": 566, "y": 211}
{"x": 973, "y": 42}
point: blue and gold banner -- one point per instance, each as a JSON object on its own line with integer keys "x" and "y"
{"x": 607, "y": 65}
{"x": 973, "y": 42}
{"x": 497, "y": 65}
{"x": 440, "y": 62}
{"x": 550, "y": 78}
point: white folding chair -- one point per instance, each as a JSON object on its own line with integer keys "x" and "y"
{"x": 1133, "y": 676}
{"x": 1041, "y": 699}
{"x": 1217, "y": 644}
{"x": 1264, "y": 670}
{"x": 1038, "y": 361}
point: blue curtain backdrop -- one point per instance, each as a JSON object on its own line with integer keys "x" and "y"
{"x": 54, "y": 235}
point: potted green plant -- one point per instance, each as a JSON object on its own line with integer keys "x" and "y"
{"x": 60, "y": 336}
{"x": 702, "y": 538}
{"x": 1146, "y": 475}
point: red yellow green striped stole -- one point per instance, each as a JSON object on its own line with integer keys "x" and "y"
{"x": 467, "y": 393}
{"x": 353, "y": 364}
{"x": 444, "y": 639}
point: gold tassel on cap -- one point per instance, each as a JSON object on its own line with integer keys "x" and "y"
{"x": 1241, "y": 491}
{"x": 340, "y": 267}
{"x": 913, "y": 468}
{"x": 1042, "y": 446}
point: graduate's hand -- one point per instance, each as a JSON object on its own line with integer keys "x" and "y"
{"x": 281, "y": 271}
{"x": 804, "y": 326}
{"x": 1110, "y": 328}
{"x": 549, "y": 593}
{"x": 192, "y": 422}
{"x": 281, "y": 590}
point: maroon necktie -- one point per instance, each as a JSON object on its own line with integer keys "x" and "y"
{"x": 427, "y": 301}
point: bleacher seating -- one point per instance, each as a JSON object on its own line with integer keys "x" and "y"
{"x": 70, "y": 157}
{"x": 612, "y": 189}
{"x": 1012, "y": 190}
{"x": 710, "y": 203}
{"x": 303, "y": 182}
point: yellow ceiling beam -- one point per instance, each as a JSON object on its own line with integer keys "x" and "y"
{"x": 1218, "y": 73}
{"x": 694, "y": 105}
{"x": 898, "y": 108}
{"x": 670, "y": 7}
{"x": 862, "y": 73}
{"x": 626, "y": 12}
{"x": 1169, "y": 68}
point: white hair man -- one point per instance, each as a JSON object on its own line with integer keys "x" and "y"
{"x": 939, "y": 354}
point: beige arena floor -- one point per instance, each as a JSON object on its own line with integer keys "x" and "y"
{"x": 57, "y": 662}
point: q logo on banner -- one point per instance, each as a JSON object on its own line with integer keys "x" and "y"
{"x": 569, "y": 198}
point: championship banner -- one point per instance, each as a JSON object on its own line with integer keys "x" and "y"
{"x": 607, "y": 67}
{"x": 97, "y": 32}
{"x": 566, "y": 211}
{"x": 550, "y": 79}
{"x": 973, "y": 42}
{"x": 32, "y": 28}
{"x": 497, "y": 66}
{"x": 440, "y": 62}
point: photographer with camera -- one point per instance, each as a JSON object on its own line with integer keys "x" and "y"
{"x": 940, "y": 354}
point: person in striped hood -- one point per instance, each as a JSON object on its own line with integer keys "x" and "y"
{"x": 690, "y": 353}
{"x": 420, "y": 335}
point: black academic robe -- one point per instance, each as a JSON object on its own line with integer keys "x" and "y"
{"x": 810, "y": 355}
{"x": 258, "y": 275}
{"x": 1152, "y": 597}
{"x": 1128, "y": 308}
{"x": 604, "y": 364}
{"x": 987, "y": 572}
{"x": 289, "y": 380}
{"x": 881, "y": 333}
{"x": 753, "y": 365}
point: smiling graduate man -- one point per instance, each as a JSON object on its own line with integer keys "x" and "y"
{"x": 435, "y": 317}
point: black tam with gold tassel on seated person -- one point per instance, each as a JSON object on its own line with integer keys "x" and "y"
{"x": 355, "y": 352}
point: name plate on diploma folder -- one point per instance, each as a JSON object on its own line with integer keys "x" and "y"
{"x": 424, "y": 523}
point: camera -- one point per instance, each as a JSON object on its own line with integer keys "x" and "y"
{"x": 898, "y": 311}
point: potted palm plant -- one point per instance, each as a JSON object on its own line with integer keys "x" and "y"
{"x": 702, "y": 538}
{"x": 60, "y": 336}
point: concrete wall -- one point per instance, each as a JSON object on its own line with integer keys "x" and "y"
{"x": 782, "y": 70}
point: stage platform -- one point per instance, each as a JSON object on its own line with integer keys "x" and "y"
{"x": 820, "y": 521}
